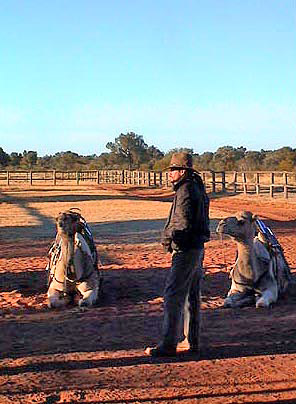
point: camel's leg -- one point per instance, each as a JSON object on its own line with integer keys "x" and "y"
{"x": 239, "y": 299}
{"x": 265, "y": 299}
{"x": 89, "y": 298}
{"x": 268, "y": 288}
{"x": 89, "y": 295}
{"x": 56, "y": 299}
{"x": 238, "y": 296}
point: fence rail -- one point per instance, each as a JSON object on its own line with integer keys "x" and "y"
{"x": 55, "y": 177}
{"x": 259, "y": 182}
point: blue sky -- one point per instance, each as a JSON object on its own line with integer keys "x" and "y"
{"x": 190, "y": 73}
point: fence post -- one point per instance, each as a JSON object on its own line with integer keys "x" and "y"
{"x": 257, "y": 183}
{"x": 285, "y": 180}
{"x": 144, "y": 177}
{"x": 7, "y": 177}
{"x": 213, "y": 182}
{"x": 203, "y": 177}
{"x": 77, "y": 177}
{"x": 160, "y": 179}
{"x": 244, "y": 178}
{"x": 234, "y": 182}
{"x": 223, "y": 181}
{"x": 154, "y": 178}
{"x": 31, "y": 178}
{"x": 167, "y": 181}
{"x": 271, "y": 190}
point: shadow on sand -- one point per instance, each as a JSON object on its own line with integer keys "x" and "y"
{"x": 129, "y": 316}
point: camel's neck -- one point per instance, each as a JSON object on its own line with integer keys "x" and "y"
{"x": 245, "y": 260}
{"x": 245, "y": 248}
{"x": 67, "y": 248}
{"x": 67, "y": 238}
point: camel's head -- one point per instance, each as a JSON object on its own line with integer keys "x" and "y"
{"x": 66, "y": 223}
{"x": 241, "y": 227}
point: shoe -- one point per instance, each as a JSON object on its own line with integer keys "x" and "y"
{"x": 184, "y": 346}
{"x": 160, "y": 351}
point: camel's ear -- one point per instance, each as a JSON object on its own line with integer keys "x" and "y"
{"x": 254, "y": 217}
{"x": 57, "y": 217}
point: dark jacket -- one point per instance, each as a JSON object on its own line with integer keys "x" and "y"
{"x": 188, "y": 223}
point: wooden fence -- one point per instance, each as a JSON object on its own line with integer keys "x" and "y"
{"x": 55, "y": 177}
{"x": 250, "y": 182}
{"x": 261, "y": 182}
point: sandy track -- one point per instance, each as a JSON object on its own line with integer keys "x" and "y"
{"x": 96, "y": 356}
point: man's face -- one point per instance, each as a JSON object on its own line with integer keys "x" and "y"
{"x": 175, "y": 174}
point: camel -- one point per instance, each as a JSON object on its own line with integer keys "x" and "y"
{"x": 72, "y": 264}
{"x": 261, "y": 273}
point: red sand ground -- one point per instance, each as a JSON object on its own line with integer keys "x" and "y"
{"x": 96, "y": 356}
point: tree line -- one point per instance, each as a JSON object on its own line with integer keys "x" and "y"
{"x": 130, "y": 151}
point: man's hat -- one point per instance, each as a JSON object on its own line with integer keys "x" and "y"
{"x": 181, "y": 160}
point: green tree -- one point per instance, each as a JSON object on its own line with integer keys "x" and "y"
{"x": 66, "y": 161}
{"x": 153, "y": 155}
{"x": 226, "y": 158}
{"x": 45, "y": 162}
{"x": 203, "y": 161}
{"x": 15, "y": 159}
{"x": 129, "y": 148}
{"x": 29, "y": 159}
{"x": 280, "y": 159}
{"x": 251, "y": 161}
{"x": 4, "y": 158}
{"x": 288, "y": 164}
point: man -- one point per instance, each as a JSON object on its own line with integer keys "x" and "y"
{"x": 184, "y": 235}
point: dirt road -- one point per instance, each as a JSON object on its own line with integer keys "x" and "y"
{"x": 96, "y": 356}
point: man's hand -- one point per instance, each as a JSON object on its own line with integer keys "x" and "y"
{"x": 180, "y": 238}
{"x": 167, "y": 245}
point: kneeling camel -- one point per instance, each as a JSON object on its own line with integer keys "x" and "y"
{"x": 72, "y": 264}
{"x": 261, "y": 273}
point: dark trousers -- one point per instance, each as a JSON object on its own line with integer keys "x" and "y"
{"x": 182, "y": 298}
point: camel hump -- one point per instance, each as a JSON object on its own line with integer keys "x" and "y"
{"x": 261, "y": 250}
